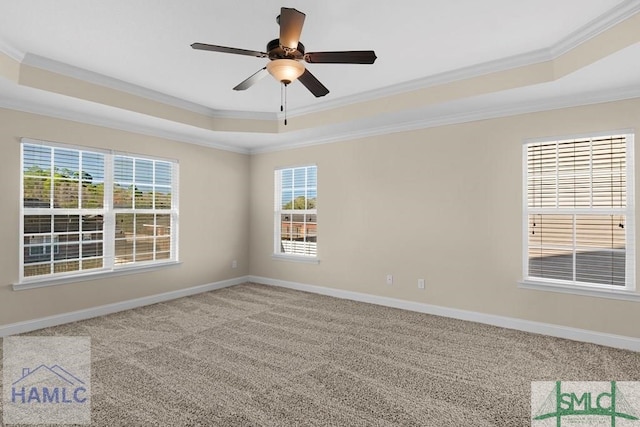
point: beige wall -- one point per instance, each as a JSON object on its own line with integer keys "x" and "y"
{"x": 214, "y": 200}
{"x": 443, "y": 204}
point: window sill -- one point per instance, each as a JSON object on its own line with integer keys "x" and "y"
{"x": 121, "y": 271}
{"x": 296, "y": 258}
{"x": 590, "y": 291}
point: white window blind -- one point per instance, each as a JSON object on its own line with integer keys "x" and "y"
{"x": 296, "y": 224}
{"x": 579, "y": 211}
{"x": 87, "y": 211}
{"x": 142, "y": 203}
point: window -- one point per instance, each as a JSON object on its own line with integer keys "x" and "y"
{"x": 579, "y": 212}
{"x": 296, "y": 224}
{"x": 41, "y": 245}
{"x": 88, "y": 211}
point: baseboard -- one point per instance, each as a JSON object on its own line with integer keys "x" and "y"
{"x": 610, "y": 340}
{"x": 74, "y": 316}
{"x": 575, "y": 334}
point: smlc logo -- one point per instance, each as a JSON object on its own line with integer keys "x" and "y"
{"x": 62, "y": 386}
{"x": 584, "y": 403}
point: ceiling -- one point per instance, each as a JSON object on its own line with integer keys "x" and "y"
{"x": 424, "y": 48}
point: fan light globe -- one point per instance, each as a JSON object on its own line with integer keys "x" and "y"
{"x": 285, "y": 70}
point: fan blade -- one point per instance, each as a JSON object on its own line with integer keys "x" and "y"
{"x": 224, "y": 49}
{"x": 345, "y": 57}
{"x": 310, "y": 82}
{"x": 291, "y": 22}
{"x": 252, "y": 80}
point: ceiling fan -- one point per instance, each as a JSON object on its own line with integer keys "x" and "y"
{"x": 286, "y": 54}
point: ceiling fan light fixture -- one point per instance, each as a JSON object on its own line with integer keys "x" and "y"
{"x": 285, "y": 70}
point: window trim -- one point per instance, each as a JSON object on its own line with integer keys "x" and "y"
{"x": 629, "y": 292}
{"x": 306, "y": 259}
{"x": 109, "y": 214}
{"x": 281, "y": 256}
{"x": 589, "y": 291}
{"x": 94, "y": 275}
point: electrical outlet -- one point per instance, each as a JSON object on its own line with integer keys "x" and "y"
{"x": 234, "y": 264}
{"x": 389, "y": 279}
{"x": 420, "y": 283}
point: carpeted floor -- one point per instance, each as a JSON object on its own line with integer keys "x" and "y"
{"x": 254, "y": 355}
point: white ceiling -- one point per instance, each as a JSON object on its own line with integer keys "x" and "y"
{"x": 146, "y": 43}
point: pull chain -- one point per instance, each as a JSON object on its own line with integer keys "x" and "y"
{"x": 281, "y": 97}
{"x": 285, "y": 104}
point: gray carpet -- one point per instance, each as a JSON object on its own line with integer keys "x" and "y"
{"x": 254, "y": 355}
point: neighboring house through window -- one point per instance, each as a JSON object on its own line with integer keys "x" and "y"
{"x": 579, "y": 212}
{"x": 296, "y": 195}
{"x": 88, "y": 210}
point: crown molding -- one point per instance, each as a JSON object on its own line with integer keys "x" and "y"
{"x": 359, "y": 130}
{"x": 602, "y": 23}
{"x": 443, "y": 78}
{"x": 353, "y": 130}
{"x": 588, "y": 31}
{"x": 57, "y": 67}
{"x": 120, "y": 85}
{"x": 97, "y": 120}
{"x": 10, "y": 51}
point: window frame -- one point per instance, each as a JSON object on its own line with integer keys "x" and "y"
{"x": 629, "y": 291}
{"x": 278, "y": 212}
{"x": 110, "y": 267}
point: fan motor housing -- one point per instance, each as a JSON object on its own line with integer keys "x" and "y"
{"x": 275, "y": 51}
